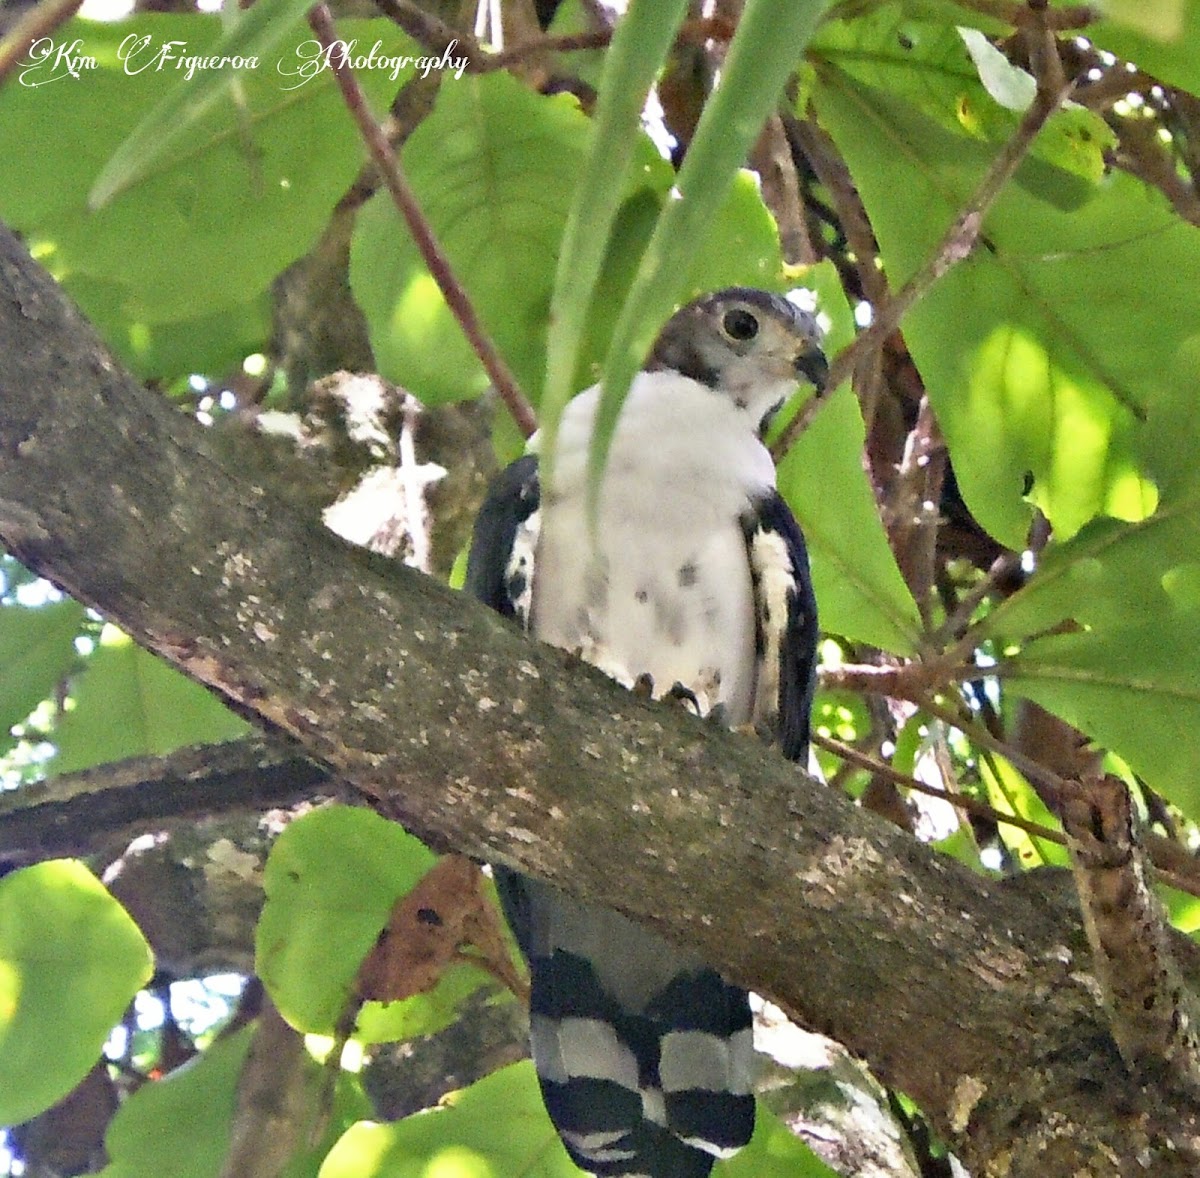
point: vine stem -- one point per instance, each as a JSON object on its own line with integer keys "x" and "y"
{"x": 321, "y": 22}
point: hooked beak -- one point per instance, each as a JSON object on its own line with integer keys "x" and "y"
{"x": 814, "y": 366}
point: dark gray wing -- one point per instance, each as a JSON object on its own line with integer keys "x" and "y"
{"x": 786, "y": 623}
{"x": 500, "y": 563}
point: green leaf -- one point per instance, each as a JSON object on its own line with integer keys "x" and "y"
{"x": 37, "y": 649}
{"x": 422, "y": 1014}
{"x": 129, "y": 703}
{"x": 1133, "y": 688}
{"x": 179, "y": 1127}
{"x": 928, "y": 60}
{"x": 773, "y": 1152}
{"x": 331, "y": 881}
{"x": 770, "y": 39}
{"x": 494, "y": 168}
{"x": 1160, "y": 38}
{"x": 861, "y": 594}
{"x": 214, "y": 343}
{"x": 1009, "y": 793}
{"x": 71, "y": 960}
{"x": 244, "y": 192}
{"x": 1040, "y": 363}
{"x": 495, "y": 164}
{"x": 254, "y": 33}
{"x": 498, "y": 1127}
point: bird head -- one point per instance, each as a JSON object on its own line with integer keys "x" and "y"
{"x": 746, "y": 344}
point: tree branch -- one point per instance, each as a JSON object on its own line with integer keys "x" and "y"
{"x": 969, "y": 995}
{"x": 1153, "y": 1014}
{"x": 77, "y": 813}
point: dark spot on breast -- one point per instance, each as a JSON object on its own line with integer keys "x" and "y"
{"x": 516, "y": 586}
{"x": 687, "y": 575}
{"x": 642, "y": 596}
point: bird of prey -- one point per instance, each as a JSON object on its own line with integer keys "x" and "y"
{"x": 692, "y": 577}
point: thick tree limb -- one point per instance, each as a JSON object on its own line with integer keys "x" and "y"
{"x": 970, "y": 996}
{"x": 77, "y": 813}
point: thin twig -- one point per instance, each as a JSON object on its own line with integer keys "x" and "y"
{"x": 958, "y": 623}
{"x": 912, "y": 522}
{"x": 956, "y": 244}
{"x": 912, "y": 681}
{"x": 1038, "y": 774}
{"x": 961, "y": 801}
{"x": 1173, "y": 864}
{"x": 456, "y": 297}
{"x": 438, "y": 36}
{"x": 36, "y": 23}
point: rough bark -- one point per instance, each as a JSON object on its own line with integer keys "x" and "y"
{"x": 971, "y": 996}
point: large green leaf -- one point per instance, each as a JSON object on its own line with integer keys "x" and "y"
{"x": 241, "y": 194}
{"x": 331, "y": 881}
{"x": 128, "y": 703}
{"x": 860, "y": 591}
{"x": 1039, "y": 361}
{"x": 1134, "y": 688}
{"x": 494, "y": 168}
{"x": 249, "y": 35}
{"x": 179, "y": 1127}
{"x": 925, "y": 59}
{"x": 215, "y": 343}
{"x": 1127, "y": 671}
{"x": 37, "y": 649}
{"x": 498, "y": 1128}
{"x": 71, "y": 960}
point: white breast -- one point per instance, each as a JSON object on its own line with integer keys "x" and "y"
{"x": 661, "y": 586}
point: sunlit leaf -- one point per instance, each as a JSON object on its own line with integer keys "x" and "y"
{"x": 71, "y": 960}
{"x": 494, "y": 168}
{"x": 128, "y": 703}
{"x": 496, "y": 164}
{"x": 1042, "y": 351}
{"x": 246, "y": 190}
{"x": 1009, "y": 793}
{"x": 179, "y": 1127}
{"x": 1132, "y": 687}
{"x": 498, "y": 1127}
{"x": 36, "y": 651}
{"x": 331, "y": 881}
{"x": 860, "y": 591}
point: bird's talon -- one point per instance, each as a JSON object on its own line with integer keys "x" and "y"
{"x": 684, "y": 696}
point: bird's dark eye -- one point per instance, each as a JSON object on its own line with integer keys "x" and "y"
{"x": 740, "y": 324}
